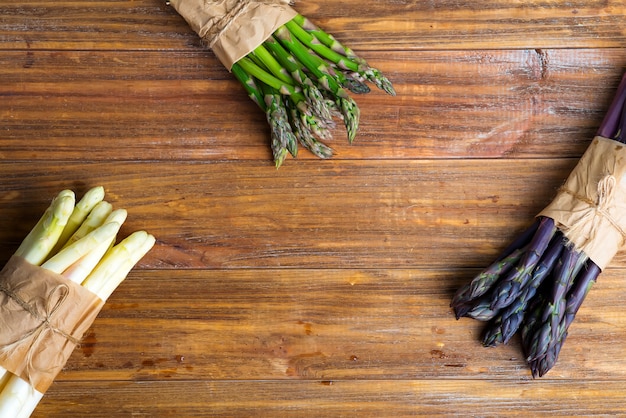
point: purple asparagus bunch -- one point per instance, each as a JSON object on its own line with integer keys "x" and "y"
{"x": 539, "y": 282}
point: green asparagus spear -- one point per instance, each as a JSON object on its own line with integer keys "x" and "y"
{"x": 322, "y": 73}
{"x": 253, "y": 69}
{"x": 372, "y": 74}
{"x": 283, "y": 139}
{"x": 319, "y": 105}
{"x": 254, "y": 91}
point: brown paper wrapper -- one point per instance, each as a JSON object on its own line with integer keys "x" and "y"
{"x": 42, "y": 318}
{"x": 590, "y": 207}
{"x": 234, "y": 28}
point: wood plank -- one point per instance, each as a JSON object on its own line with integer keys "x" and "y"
{"x": 184, "y": 106}
{"x": 334, "y": 398}
{"x": 387, "y": 214}
{"x": 391, "y": 25}
{"x": 329, "y": 324}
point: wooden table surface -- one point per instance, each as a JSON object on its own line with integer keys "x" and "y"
{"x": 321, "y": 288}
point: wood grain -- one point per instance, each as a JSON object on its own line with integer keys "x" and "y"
{"x": 382, "y": 25}
{"x": 459, "y": 104}
{"x": 321, "y": 288}
{"x": 341, "y": 324}
{"x": 339, "y": 398}
{"x": 391, "y": 214}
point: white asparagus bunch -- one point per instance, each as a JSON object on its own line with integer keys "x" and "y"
{"x": 77, "y": 241}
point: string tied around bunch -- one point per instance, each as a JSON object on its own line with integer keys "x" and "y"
{"x": 590, "y": 207}
{"x": 43, "y": 317}
{"x": 589, "y": 224}
{"x": 35, "y": 336}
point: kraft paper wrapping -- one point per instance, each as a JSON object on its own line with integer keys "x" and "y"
{"x": 42, "y": 318}
{"x": 590, "y": 207}
{"x": 234, "y": 28}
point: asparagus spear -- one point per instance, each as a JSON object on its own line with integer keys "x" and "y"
{"x": 509, "y": 287}
{"x": 319, "y": 105}
{"x": 283, "y": 139}
{"x": 464, "y": 298}
{"x": 251, "y": 68}
{"x": 82, "y": 209}
{"x": 505, "y": 325}
{"x": 272, "y": 64}
{"x": 612, "y": 125}
{"x": 584, "y": 280}
{"x": 95, "y": 218}
{"x": 114, "y": 266}
{"x": 483, "y": 281}
{"x": 479, "y": 308}
{"x": 43, "y": 237}
{"x": 322, "y": 73}
{"x": 547, "y": 331}
{"x": 74, "y": 252}
{"x": 254, "y": 92}
{"x": 305, "y": 135}
{"x": 372, "y": 74}
{"x": 79, "y": 270}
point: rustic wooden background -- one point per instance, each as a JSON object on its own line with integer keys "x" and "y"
{"x": 321, "y": 288}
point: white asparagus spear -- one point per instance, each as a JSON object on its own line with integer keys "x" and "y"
{"x": 15, "y": 395}
{"x": 82, "y": 209}
{"x": 43, "y": 237}
{"x": 78, "y": 249}
{"x": 79, "y": 271}
{"x": 95, "y": 218}
{"x": 4, "y": 377}
{"x": 132, "y": 256}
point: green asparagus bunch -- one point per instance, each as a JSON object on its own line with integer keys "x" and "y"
{"x": 301, "y": 77}
{"x": 539, "y": 282}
